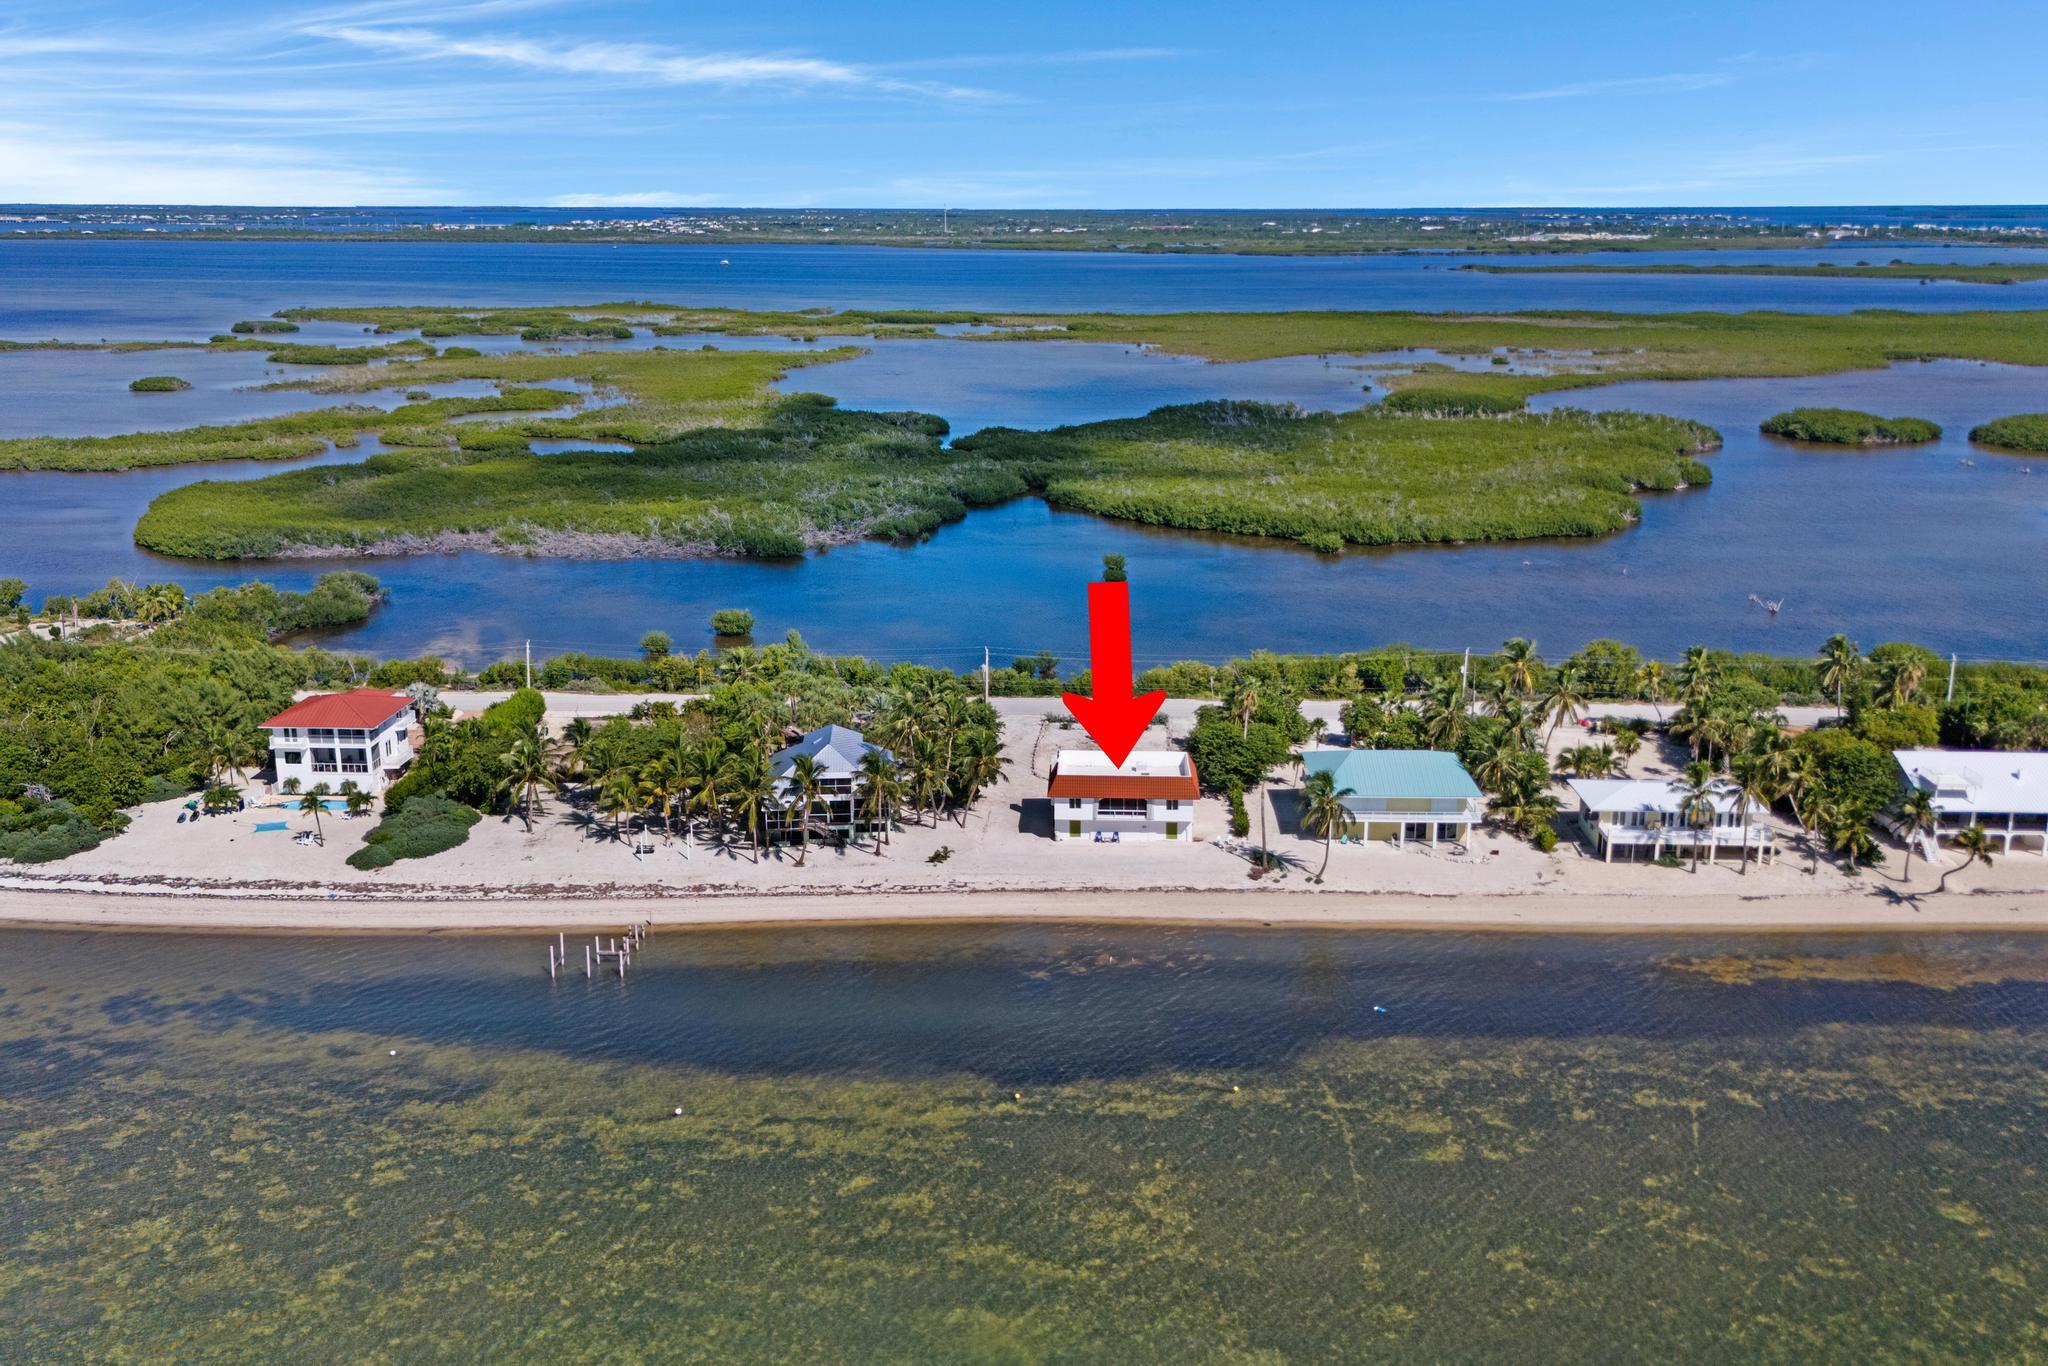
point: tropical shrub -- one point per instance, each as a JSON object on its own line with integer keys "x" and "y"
{"x": 34, "y": 831}
{"x": 1849, "y": 427}
{"x": 2023, "y": 432}
{"x": 424, "y": 826}
{"x": 732, "y": 621}
{"x": 158, "y": 384}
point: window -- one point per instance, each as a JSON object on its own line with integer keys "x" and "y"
{"x": 1173, "y": 803}
{"x": 1120, "y": 806}
{"x": 291, "y": 756}
{"x": 1073, "y": 803}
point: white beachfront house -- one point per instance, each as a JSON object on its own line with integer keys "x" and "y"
{"x": 838, "y": 752}
{"x": 1648, "y": 816}
{"x": 1402, "y": 796}
{"x": 1149, "y": 796}
{"x": 363, "y": 736}
{"x": 2004, "y": 791}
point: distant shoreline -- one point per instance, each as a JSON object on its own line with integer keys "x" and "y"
{"x": 1574, "y": 913}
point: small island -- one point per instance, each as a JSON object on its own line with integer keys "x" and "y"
{"x": 264, "y": 327}
{"x": 158, "y": 384}
{"x": 2021, "y": 432}
{"x": 1849, "y": 427}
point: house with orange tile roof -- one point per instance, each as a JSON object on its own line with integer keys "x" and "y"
{"x": 1149, "y": 796}
{"x": 364, "y": 736}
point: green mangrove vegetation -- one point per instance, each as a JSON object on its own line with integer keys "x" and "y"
{"x": 801, "y": 474}
{"x": 807, "y": 475}
{"x": 2021, "y": 432}
{"x": 290, "y": 437}
{"x": 158, "y": 384}
{"x": 1849, "y": 427}
{"x": 264, "y": 327}
{"x": 1373, "y": 477}
{"x": 659, "y": 394}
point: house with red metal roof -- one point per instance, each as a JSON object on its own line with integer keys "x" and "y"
{"x": 364, "y": 736}
{"x": 1149, "y": 796}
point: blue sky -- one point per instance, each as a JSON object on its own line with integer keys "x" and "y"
{"x": 1099, "y": 105}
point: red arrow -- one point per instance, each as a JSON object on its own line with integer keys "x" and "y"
{"x": 1113, "y": 718}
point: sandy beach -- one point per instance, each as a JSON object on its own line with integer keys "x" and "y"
{"x": 1534, "y": 912}
{"x": 996, "y": 862}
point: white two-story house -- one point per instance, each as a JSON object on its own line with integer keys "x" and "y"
{"x": 1150, "y": 796}
{"x": 364, "y": 736}
{"x": 1648, "y": 817}
{"x": 838, "y": 809}
{"x": 2003, "y": 791}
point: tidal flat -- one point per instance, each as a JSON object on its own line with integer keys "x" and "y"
{"x": 1019, "y": 1143}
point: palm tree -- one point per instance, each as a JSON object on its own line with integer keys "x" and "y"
{"x": 878, "y": 791}
{"x": 1916, "y": 817}
{"x": 1626, "y": 743}
{"x": 750, "y": 789}
{"x": 1850, "y": 837}
{"x": 1696, "y": 674}
{"x": 1975, "y": 844}
{"x": 1818, "y": 814}
{"x": 1565, "y": 699}
{"x": 161, "y": 602}
{"x": 1323, "y": 811}
{"x": 576, "y": 738}
{"x": 1242, "y": 702}
{"x": 312, "y": 804}
{"x": 1696, "y": 793}
{"x": 358, "y": 802}
{"x": 705, "y": 770}
{"x": 1493, "y": 768}
{"x": 525, "y": 768}
{"x": 618, "y": 792}
{"x": 1838, "y": 661}
{"x": 805, "y": 786}
{"x": 1520, "y": 666}
{"x": 1650, "y": 680}
{"x": 1753, "y": 785}
{"x": 1902, "y": 679}
{"x": 1444, "y": 714}
{"x": 661, "y": 781}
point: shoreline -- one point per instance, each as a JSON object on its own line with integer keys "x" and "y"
{"x": 1539, "y": 912}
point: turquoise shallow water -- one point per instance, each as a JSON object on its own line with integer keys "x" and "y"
{"x": 1024, "y": 1143}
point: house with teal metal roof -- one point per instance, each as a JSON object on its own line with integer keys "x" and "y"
{"x": 1402, "y": 796}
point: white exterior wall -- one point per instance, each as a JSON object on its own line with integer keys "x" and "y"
{"x": 387, "y": 750}
{"x": 1078, "y": 818}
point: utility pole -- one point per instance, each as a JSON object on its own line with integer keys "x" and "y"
{"x": 984, "y": 673}
{"x": 946, "y": 218}
{"x": 1951, "y": 680}
{"x": 1465, "y": 672}
{"x": 529, "y": 663}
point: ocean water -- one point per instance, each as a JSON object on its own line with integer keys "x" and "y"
{"x": 1025, "y": 1143}
{"x": 168, "y": 290}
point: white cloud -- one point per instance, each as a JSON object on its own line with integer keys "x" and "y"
{"x": 1677, "y": 82}
{"x": 46, "y": 165}
{"x": 638, "y": 199}
{"x": 635, "y": 61}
